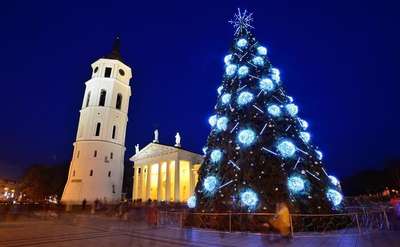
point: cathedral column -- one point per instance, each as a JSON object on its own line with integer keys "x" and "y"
{"x": 177, "y": 182}
{"x": 191, "y": 187}
{"x": 135, "y": 182}
{"x": 159, "y": 182}
{"x": 168, "y": 183}
{"x": 148, "y": 182}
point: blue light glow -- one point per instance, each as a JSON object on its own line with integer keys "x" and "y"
{"x": 241, "y": 43}
{"x": 230, "y": 70}
{"x": 191, "y": 202}
{"x": 290, "y": 99}
{"x": 212, "y": 120}
{"x": 286, "y": 148}
{"x": 275, "y": 71}
{"x": 226, "y": 98}
{"x": 222, "y": 123}
{"x": 296, "y": 184}
{"x": 227, "y": 59}
{"x": 210, "y": 183}
{"x": 245, "y": 98}
{"x": 334, "y": 180}
{"x": 303, "y": 123}
{"x": 247, "y": 137}
{"x": 216, "y": 155}
{"x": 261, "y": 50}
{"x": 305, "y": 136}
{"x": 334, "y": 196}
{"x": 292, "y": 109}
{"x": 259, "y": 61}
{"x": 249, "y": 198}
{"x": 274, "y": 110}
{"x": 219, "y": 89}
{"x": 243, "y": 70}
{"x": 319, "y": 155}
{"x": 266, "y": 84}
{"x": 204, "y": 149}
{"x": 275, "y": 75}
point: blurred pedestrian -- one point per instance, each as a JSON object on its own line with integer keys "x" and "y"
{"x": 84, "y": 204}
{"x": 281, "y": 221}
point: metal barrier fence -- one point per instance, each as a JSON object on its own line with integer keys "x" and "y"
{"x": 359, "y": 222}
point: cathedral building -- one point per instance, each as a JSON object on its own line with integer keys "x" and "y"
{"x": 96, "y": 169}
{"x": 165, "y": 172}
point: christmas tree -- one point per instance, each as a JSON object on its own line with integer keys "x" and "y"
{"x": 259, "y": 152}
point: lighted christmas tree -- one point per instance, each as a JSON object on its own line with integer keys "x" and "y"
{"x": 259, "y": 151}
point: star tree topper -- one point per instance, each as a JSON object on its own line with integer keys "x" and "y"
{"x": 242, "y": 21}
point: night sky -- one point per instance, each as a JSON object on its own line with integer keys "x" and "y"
{"x": 338, "y": 59}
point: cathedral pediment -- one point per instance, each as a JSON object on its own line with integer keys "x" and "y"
{"x": 154, "y": 150}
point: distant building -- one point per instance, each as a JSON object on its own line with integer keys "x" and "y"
{"x": 96, "y": 169}
{"x": 7, "y": 190}
{"x": 165, "y": 173}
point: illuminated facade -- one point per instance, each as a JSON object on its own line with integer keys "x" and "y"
{"x": 164, "y": 173}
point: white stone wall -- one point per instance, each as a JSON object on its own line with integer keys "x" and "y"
{"x": 89, "y": 175}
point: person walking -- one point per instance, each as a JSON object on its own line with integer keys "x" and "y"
{"x": 281, "y": 221}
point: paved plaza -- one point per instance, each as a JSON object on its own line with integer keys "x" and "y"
{"x": 100, "y": 232}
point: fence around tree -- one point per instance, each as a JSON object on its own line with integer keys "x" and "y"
{"x": 359, "y": 221}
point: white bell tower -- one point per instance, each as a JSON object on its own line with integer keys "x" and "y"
{"x": 97, "y": 165}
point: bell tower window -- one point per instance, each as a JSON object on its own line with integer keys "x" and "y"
{"x": 87, "y": 99}
{"x": 114, "y": 130}
{"x": 119, "y": 101}
{"x": 102, "y": 99}
{"x": 98, "y": 126}
{"x": 107, "y": 72}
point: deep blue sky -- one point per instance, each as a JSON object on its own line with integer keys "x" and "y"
{"x": 339, "y": 59}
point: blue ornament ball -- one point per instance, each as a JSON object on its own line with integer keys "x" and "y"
{"x": 216, "y": 155}
{"x": 226, "y": 98}
{"x": 245, "y": 98}
{"x": 334, "y": 196}
{"x": 286, "y": 148}
{"x": 266, "y": 85}
{"x": 191, "y": 202}
{"x": 243, "y": 70}
{"x": 241, "y": 43}
{"x": 274, "y": 110}
{"x": 230, "y": 70}
{"x": 261, "y": 50}
{"x": 222, "y": 123}
{"x": 249, "y": 198}
{"x": 210, "y": 183}
{"x": 296, "y": 184}
{"x": 246, "y": 137}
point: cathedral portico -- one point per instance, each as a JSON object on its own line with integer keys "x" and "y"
{"x": 164, "y": 173}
